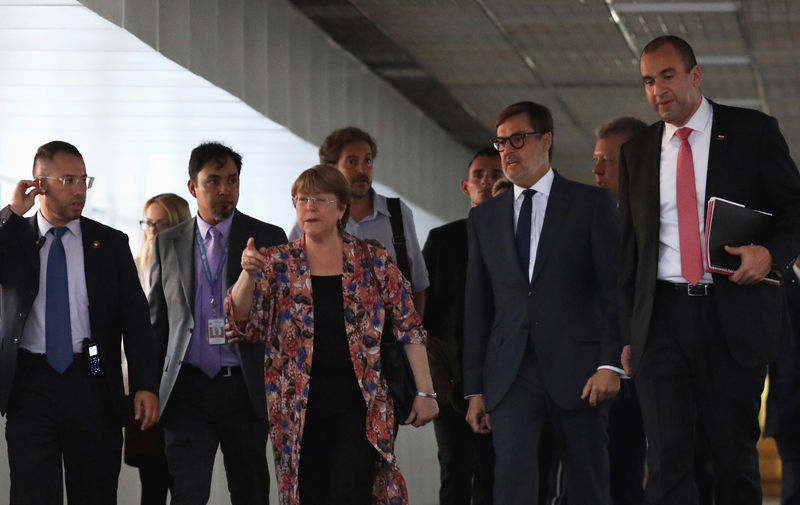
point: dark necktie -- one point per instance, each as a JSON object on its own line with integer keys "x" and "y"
{"x": 58, "y": 331}
{"x": 523, "y": 237}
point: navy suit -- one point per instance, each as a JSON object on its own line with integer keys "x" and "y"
{"x": 530, "y": 346}
{"x": 689, "y": 353}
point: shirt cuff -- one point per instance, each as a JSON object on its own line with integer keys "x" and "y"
{"x": 620, "y": 371}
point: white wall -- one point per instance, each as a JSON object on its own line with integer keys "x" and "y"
{"x": 260, "y": 77}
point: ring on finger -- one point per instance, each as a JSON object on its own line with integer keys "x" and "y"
{"x": 246, "y": 261}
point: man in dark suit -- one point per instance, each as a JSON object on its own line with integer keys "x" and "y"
{"x": 783, "y": 402}
{"x": 212, "y": 392}
{"x": 70, "y": 291}
{"x": 698, "y": 342}
{"x": 466, "y": 459}
{"x": 540, "y": 324}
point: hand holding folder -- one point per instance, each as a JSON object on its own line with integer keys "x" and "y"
{"x": 731, "y": 231}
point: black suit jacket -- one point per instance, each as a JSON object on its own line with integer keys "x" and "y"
{"x": 445, "y": 255}
{"x": 172, "y": 293}
{"x": 748, "y": 163}
{"x": 568, "y": 312}
{"x": 117, "y": 305}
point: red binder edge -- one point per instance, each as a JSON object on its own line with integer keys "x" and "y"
{"x": 709, "y": 217}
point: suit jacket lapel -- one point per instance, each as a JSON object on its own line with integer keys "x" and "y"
{"x": 92, "y": 259}
{"x": 503, "y": 223}
{"x": 652, "y": 177}
{"x": 717, "y": 154}
{"x": 236, "y": 244}
{"x": 34, "y": 258}
{"x": 554, "y": 216}
{"x": 183, "y": 245}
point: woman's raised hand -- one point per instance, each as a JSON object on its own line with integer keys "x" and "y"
{"x": 253, "y": 260}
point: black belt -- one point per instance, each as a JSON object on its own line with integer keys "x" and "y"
{"x": 36, "y": 360}
{"x": 225, "y": 371}
{"x": 229, "y": 371}
{"x": 688, "y": 289}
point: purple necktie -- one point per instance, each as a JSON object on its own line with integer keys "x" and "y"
{"x": 211, "y": 359}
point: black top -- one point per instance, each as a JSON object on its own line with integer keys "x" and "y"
{"x": 333, "y": 379}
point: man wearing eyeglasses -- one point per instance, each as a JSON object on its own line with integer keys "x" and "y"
{"x": 541, "y": 330}
{"x": 70, "y": 291}
{"x": 212, "y": 392}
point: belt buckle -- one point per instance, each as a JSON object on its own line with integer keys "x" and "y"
{"x": 226, "y": 371}
{"x": 697, "y": 289}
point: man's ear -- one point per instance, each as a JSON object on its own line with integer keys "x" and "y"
{"x": 547, "y": 141}
{"x": 696, "y": 75}
{"x": 192, "y": 188}
{"x": 465, "y": 187}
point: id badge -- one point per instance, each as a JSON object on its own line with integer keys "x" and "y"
{"x": 216, "y": 331}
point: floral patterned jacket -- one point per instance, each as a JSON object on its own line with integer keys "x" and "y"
{"x": 282, "y": 316}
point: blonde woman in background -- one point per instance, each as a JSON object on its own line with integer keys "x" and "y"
{"x": 145, "y": 449}
{"x": 161, "y": 212}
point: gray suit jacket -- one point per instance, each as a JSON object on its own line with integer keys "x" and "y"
{"x": 172, "y": 299}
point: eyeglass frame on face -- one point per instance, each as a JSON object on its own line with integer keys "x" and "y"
{"x": 71, "y": 180}
{"x": 306, "y": 200}
{"x": 499, "y": 142}
{"x": 160, "y": 225}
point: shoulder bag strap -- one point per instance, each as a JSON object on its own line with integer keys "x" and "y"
{"x": 399, "y": 236}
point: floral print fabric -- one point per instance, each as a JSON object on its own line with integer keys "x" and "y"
{"x": 282, "y": 317}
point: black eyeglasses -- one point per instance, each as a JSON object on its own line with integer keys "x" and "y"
{"x": 157, "y": 226}
{"x": 517, "y": 140}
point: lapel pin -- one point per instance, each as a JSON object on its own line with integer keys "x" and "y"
{"x": 720, "y": 137}
{"x": 96, "y": 244}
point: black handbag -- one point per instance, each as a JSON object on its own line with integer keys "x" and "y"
{"x": 394, "y": 361}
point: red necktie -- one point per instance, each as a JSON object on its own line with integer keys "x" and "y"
{"x": 688, "y": 227}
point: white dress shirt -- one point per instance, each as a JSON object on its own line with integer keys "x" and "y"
{"x": 542, "y": 188}
{"x": 33, "y": 335}
{"x": 669, "y": 253}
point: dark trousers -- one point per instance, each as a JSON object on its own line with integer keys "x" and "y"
{"x": 337, "y": 462}
{"x": 466, "y": 460}
{"x": 580, "y": 435}
{"x": 203, "y": 414}
{"x": 789, "y": 450}
{"x": 685, "y": 369}
{"x": 156, "y": 480}
{"x": 54, "y": 417}
{"x": 626, "y": 447}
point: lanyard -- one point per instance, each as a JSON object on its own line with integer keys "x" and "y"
{"x": 212, "y": 281}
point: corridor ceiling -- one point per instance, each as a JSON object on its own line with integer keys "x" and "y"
{"x": 462, "y": 61}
